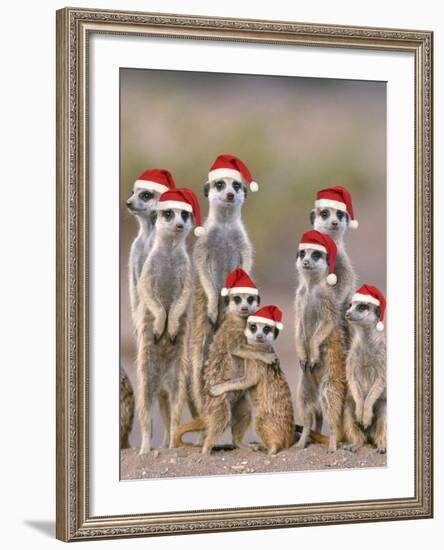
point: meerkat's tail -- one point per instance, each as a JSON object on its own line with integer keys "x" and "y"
{"x": 196, "y": 425}
{"x": 317, "y": 437}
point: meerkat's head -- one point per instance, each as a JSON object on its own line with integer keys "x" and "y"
{"x": 142, "y": 202}
{"x": 174, "y": 222}
{"x": 367, "y": 308}
{"x": 316, "y": 257}
{"x": 312, "y": 263}
{"x": 242, "y": 304}
{"x": 147, "y": 190}
{"x": 263, "y": 327}
{"x": 333, "y": 212}
{"x": 226, "y": 193}
{"x": 331, "y": 221}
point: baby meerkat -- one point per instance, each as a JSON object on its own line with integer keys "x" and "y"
{"x": 142, "y": 204}
{"x": 242, "y": 300}
{"x": 366, "y": 401}
{"x": 332, "y": 215}
{"x": 319, "y": 347}
{"x": 224, "y": 247}
{"x": 266, "y": 384}
{"x": 165, "y": 288}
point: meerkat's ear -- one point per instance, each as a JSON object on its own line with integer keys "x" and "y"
{"x": 378, "y": 312}
{"x": 227, "y": 300}
{"x": 207, "y": 189}
{"x": 276, "y": 332}
{"x": 258, "y": 299}
{"x": 245, "y": 188}
{"x": 153, "y": 216}
{"x": 312, "y": 216}
{"x": 347, "y": 217}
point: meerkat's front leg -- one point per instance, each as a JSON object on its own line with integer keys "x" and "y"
{"x": 372, "y": 396}
{"x": 300, "y": 348}
{"x": 249, "y": 352}
{"x": 179, "y": 308}
{"x": 319, "y": 336}
{"x": 210, "y": 292}
{"x": 145, "y": 390}
{"x": 251, "y": 378}
{"x": 358, "y": 398}
{"x": 246, "y": 255}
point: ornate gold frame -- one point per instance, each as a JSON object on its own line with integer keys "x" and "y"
{"x": 74, "y": 26}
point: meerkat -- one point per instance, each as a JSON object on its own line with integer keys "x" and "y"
{"x": 319, "y": 346}
{"x": 366, "y": 400}
{"x": 126, "y": 409}
{"x": 165, "y": 288}
{"x": 267, "y": 387}
{"x": 142, "y": 204}
{"x": 224, "y": 247}
{"x": 332, "y": 215}
{"x": 218, "y": 413}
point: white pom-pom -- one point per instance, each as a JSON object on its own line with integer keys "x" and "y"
{"x": 379, "y": 326}
{"x": 354, "y": 224}
{"x": 332, "y": 279}
{"x": 254, "y": 187}
{"x": 224, "y": 292}
{"x": 279, "y": 326}
{"x": 198, "y": 231}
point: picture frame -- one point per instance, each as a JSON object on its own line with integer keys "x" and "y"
{"x": 75, "y": 28}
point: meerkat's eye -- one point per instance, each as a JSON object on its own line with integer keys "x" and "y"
{"x": 185, "y": 215}
{"x": 362, "y": 307}
{"x": 219, "y": 185}
{"x": 146, "y": 195}
{"x": 325, "y": 214}
{"x": 301, "y": 254}
{"x": 316, "y": 255}
{"x": 168, "y": 214}
{"x": 251, "y": 299}
{"x": 340, "y": 214}
{"x": 266, "y": 329}
{"x": 236, "y": 185}
{"x": 253, "y": 328}
{"x": 237, "y": 300}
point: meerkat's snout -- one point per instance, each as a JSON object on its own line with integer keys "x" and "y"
{"x": 334, "y": 224}
{"x": 305, "y": 264}
{"x": 179, "y": 227}
{"x": 230, "y": 196}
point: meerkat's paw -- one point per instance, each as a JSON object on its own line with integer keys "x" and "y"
{"x": 351, "y": 447}
{"x": 144, "y": 449}
{"x": 303, "y": 363}
{"x": 312, "y": 365}
{"x": 367, "y": 418}
{"x": 216, "y": 390}
{"x": 381, "y": 450}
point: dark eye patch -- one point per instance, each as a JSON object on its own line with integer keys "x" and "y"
{"x": 237, "y": 299}
{"x": 301, "y": 254}
{"x": 219, "y": 185}
{"x": 267, "y": 329}
{"x": 168, "y": 214}
{"x": 236, "y": 185}
{"x": 146, "y": 195}
{"x": 185, "y": 215}
{"x": 362, "y": 307}
{"x": 325, "y": 214}
{"x": 253, "y": 328}
{"x": 340, "y": 214}
{"x": 316, "y": 255}
{"x": 251, "y": 299}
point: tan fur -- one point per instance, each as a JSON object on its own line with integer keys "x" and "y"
{"x": 126, "y": 409}
{"x": 218, "y": 412}
{"x": 270, "y": 395}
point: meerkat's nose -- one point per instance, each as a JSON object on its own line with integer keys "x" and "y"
{"x": 305, "y": 263}
{"x": 179, "y": 226}
{"x": 230, "y": 196}
{"x": 244, "y": 309}
{"x": 259, "y": 338}
{"x": 334, "y": 223}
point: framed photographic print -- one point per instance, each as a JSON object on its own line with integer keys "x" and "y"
{"x": 244, "y": 274}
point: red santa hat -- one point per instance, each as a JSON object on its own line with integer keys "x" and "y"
{"x": 238, "y": 281}
{"x": 337, "y": 197}
{"x": 184, "y": 199}
{"x": 271, "y": 315}
{"x": 314, "y": 240}
{"x": 372, "y": 295}
{"x": 229, "y": 166}
{"x": 157, "y": 179}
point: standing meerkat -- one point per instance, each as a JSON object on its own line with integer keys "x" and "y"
{"x": 224, "y": 247}
{"x": 165, "y": 288}
{"x": 366, "y": 402}
{"x": 242, "y": 298}
{"x": 266, "y": 384}
{"x": 142, "y": 204}
{"x": 319, "y": 347}
{"x": 332, "y": 215}
{"x": 126, "y": 409}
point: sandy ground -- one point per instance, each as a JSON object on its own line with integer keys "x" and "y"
{"x": 187, "y": 461}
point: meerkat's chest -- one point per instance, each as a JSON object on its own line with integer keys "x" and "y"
{"x": 361, "y": 367}
{"x": 169, "y": 279}
{"x": 225, "y": 244}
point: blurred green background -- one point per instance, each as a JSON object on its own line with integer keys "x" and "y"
{"x": 296, "y": 135}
